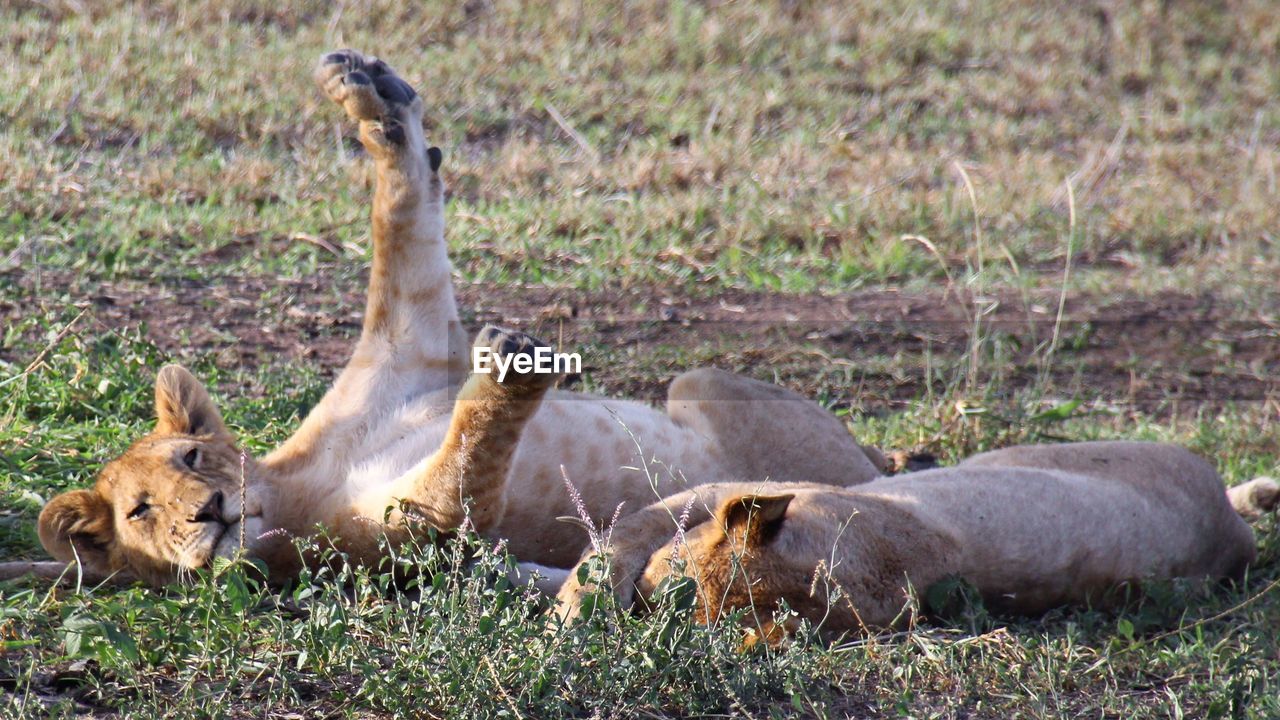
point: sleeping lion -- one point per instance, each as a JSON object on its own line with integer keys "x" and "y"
{"x": 408, "y": 435}
{"x": 1032, "y": 527}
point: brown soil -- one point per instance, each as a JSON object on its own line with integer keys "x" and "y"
{"x": 1155, "y": 354}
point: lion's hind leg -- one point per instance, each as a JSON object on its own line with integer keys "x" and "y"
{"x": 765, "y": 432}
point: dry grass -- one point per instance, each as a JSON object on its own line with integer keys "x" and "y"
{"x": 777, "y": 145}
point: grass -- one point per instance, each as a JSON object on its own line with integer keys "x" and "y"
{"x": 173, "y": 187}
{"x": 775, "y": 146}
{"x": 467, "y": 644}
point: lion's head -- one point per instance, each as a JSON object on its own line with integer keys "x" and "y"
{"x": 171, "y": 502}
{"x": 736, "y": 563}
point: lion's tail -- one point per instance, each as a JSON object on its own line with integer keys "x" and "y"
{"x": 1255, "y": 498}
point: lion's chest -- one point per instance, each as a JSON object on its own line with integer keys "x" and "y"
{"x": 394, "y": 443}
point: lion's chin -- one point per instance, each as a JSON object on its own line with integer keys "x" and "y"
{"x": 237, "y": 537}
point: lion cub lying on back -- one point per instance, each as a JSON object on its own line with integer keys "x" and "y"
{"x": 407, "y": 422}
{"x": 1032, "y": 527}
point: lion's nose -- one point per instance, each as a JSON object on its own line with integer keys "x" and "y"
{"x": 212, "y": 510}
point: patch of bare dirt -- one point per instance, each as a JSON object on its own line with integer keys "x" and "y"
{"x": 1155, "y": 354}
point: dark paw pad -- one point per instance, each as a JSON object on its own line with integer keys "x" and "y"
{"x": 393, "y": 89}
{"x": 367, "y": 88}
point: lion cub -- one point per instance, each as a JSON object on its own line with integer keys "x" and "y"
{"x": 408, "y": 422}
{"x": 1032, "y": 527}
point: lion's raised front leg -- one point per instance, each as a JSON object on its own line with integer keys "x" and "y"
{"x": 467, "y": 476}
{"x": 411, "y": 341}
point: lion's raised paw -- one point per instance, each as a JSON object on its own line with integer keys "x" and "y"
{"x": 505, "y": 346}
{"x": 369, "y": 90}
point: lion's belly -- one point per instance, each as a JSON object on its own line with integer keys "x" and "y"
{"x": 611, "y": 451}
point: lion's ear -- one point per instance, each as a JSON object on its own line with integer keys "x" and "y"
{"x": 78, "y": 524}
{"x": 183, "y": 406}
{"x": 754, "y": 520}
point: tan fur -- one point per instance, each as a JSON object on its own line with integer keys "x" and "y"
{"x": 403, "y": 434}
{"x": 1032, "y": 527}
